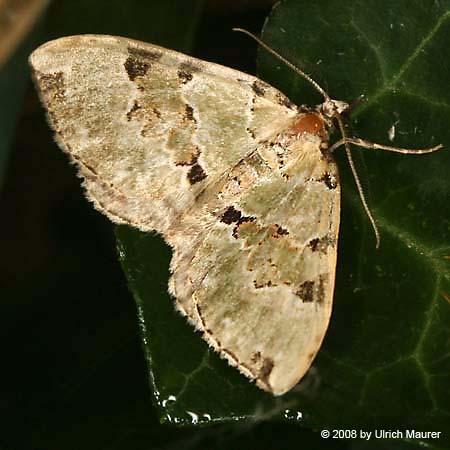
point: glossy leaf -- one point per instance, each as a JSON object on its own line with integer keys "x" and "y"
{"x": 388, "y": 342}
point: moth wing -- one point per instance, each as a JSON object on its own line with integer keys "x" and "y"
{"x": 259, "y": 282}
{"x": 175, "y": 144}
{"x": 150, "y": 128}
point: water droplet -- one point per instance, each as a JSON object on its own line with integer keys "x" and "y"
{"x": 169, "y": 399}
{"x": 290, "y": 414}
{"x": 194, "y": 417}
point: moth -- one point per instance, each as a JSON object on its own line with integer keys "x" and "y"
{"x": 239, "y": 181}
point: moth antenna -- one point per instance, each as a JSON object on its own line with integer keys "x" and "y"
{"x": 285, "y": 61}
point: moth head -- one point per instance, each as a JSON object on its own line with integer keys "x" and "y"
{"x": 333, "y": 108}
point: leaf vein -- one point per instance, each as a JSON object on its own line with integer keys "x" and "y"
{"x": 405, "y": 66}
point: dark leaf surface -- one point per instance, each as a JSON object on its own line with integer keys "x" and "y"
{"x": 390, "y": 324}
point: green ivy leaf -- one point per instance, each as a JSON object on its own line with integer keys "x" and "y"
{"x": 385, "y": 358}
{"x": 389, "y": 337}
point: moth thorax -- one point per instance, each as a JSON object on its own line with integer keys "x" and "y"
{"x": 332, "y": 108}
{"x": 309, "y": 123}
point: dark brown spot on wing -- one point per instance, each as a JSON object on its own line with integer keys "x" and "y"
{"x": 312, "y": 291}
{"x": 184, "y": 76}
{"x": 266, "y": 284}
{"x": 231, "y": 215}
{"x": 196, "y": 173}
{"x": 314, "y": 244}
{"x": 189, "y": 112}
{"x": 259, "y": 88}
{"x": 306, "y": 291}
{"x": 282, "y": 231}
{"x": 136, "y": 67}
{"x": 330, "y": 180}
{"x": 321, "y": 244}
{"x": 140, "y": 53}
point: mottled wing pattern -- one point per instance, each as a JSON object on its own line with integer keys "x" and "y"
{"x": 236, "y": 179}
{"x": 259, "y": 282}
{"x": 150, "y": 128}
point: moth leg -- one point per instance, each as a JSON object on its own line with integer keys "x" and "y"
{"x": 372, "y": 145}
